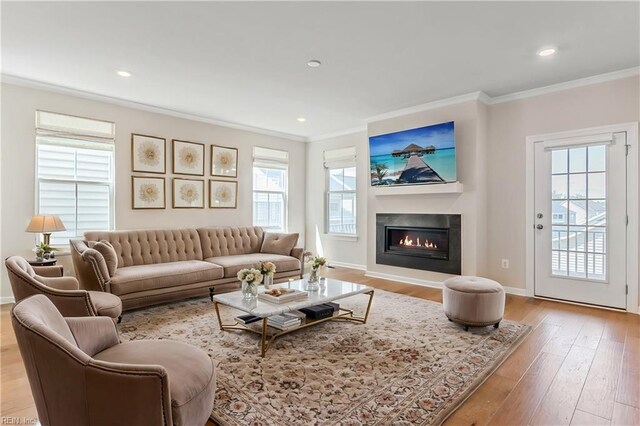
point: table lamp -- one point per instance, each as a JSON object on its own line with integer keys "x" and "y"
{"x": 45, "y": 225}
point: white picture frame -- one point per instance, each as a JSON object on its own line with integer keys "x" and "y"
{"x": 223, "y": 194}
{"x": 148, "y": 154}
{"x": 224, "y": 161}
{"x": 148, "y": 192}
{"x": 188, "y": 158}
{"x": 188, "y": 193}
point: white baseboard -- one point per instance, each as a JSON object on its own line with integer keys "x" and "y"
{"x": 348, "y": 265}
{"x": 434, "y": 284}
{"x": 6, "y": 299}
{"x": 406, "y": 280}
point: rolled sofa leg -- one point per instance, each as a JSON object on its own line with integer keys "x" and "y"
{"x": 119, "y": 319}
{"x": 496, "y": 325}
{"x": 466, "y": 328}
{"x": 211, "y": 290}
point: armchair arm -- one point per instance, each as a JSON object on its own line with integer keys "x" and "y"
{"x": 48, "y": 271}
{"x": 90, "y": 266}
{"x": 59, "y": 283}
{"x": 127, "y": 394}
{"x": 93, "y": 334}
{"x": 71, "y": 303}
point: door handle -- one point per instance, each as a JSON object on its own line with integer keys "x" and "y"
{"x": 539, "y": 226}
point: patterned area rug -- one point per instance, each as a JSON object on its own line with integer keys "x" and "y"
{"x": 407, "y": 366}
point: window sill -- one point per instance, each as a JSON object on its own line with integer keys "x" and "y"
{"x": 341, "y": 237}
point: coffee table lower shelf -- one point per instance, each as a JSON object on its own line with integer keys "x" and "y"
{"x": 266, "y": 341}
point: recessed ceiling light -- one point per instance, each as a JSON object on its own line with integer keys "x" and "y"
{"x": 314, "y": 63}
{"x": 301, "y": 119}
{"x": 123, "y": 73}
{"x": 547, "y": 51}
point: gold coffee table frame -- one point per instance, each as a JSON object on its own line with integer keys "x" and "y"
{"x": 265, "y": 342}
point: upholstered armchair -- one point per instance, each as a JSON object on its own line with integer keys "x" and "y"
{"x": 80, "y": 373}
{"x": 64, "y": 292}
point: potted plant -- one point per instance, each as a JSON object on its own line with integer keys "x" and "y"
{"x": 250, "y": 278}
{"x": 44, "y": 251}
{"x": 267, "y": 269}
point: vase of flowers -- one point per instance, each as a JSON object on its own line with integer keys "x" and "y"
{"x": 250, "y": 279}
{"x": 316, "y": 263}
{"x": 267, "y": 269}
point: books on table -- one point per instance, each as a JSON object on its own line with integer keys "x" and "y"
{"x": 284, "y": 321}
{"x": 282, "y": 295}
{"x": 247, "y": 319}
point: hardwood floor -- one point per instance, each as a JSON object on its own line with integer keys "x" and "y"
{"x": 579, "y": 366}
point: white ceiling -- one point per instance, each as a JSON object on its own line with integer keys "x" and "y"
{"x": 246, "y": 62}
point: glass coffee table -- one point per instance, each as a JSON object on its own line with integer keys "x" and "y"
{"x": 330, "y": 290}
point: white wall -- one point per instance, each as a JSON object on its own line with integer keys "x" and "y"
{"x": 18, "y": 167}
{"x": 470, "y": 147}
{"x": 337, "y": 249}
{"x": 510, "y": 123}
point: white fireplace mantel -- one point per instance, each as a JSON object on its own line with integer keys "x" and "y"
{"x": 440, "y": 188}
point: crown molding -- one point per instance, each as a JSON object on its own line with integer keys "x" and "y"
{"x": 344, "y": 132}
{"x": 24, "y": 82}
{"x": 581, "y": 82}
{"x": 475, "y": 96}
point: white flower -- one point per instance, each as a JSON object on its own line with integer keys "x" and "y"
{"x": 223, "y": 194}
{"x": 149, "y": 154}
{"x": 224, "y": 161}
{"x": 189, "y": 192}
{"x": 188, "y": 157}
{"x": 148, "y": 192}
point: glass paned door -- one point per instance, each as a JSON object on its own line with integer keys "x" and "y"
{"x": 580, "y": 220}
{"x": 579, "y": 212}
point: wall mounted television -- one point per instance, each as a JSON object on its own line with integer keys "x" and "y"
{"x": 422, "y": 156}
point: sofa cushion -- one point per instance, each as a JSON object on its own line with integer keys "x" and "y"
{"x": 108, "y": 252}
{"x": 192, "y": 378}
{"x": 233, "y": 264}
{"x": 131, "y": 279}
{"x": 277, "y": 243}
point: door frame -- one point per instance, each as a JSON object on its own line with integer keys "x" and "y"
{"x": 633, "y": 160}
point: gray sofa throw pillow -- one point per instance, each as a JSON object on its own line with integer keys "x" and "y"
{"x": 108, "y": 252}
{"x": 276, "y": 243}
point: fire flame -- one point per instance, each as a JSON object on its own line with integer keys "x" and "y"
{"x": 409, "y": 243}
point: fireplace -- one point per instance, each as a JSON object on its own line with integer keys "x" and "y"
{"x": 430, "y": 242}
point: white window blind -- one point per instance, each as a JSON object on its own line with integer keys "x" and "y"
{"x": 341, "y": 191}
{"x": 74, "y": 173}
{"x": 270, "y": 183}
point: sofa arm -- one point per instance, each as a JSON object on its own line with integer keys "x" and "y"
{"x": 93, "y": 334}
{"x": 90, "y": 266}
{"x": 298, "y": 253}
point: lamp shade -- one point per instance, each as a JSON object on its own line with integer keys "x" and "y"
{"x": 45, "y": 224}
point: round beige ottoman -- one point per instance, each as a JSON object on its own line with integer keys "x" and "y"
{"x": 473, "y": 301}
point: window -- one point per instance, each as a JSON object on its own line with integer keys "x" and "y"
{"x": 341, "y": 191}
{"x": 270, "y": 170}
{"x": 74, "y": 173}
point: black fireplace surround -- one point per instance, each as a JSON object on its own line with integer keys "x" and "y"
{"x": 431, "y": 242}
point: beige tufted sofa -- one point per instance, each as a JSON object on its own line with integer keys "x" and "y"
{"x": 155, "y": 266}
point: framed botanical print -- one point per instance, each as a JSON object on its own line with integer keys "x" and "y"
{"x": 224, "y": 161}
{"x": 147, "y": 192}
{"x": 188, "y": 193}
{"x": 148, "y": 154}
{"x": 188, "y": 158}
{"x": 223, "y": 194}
